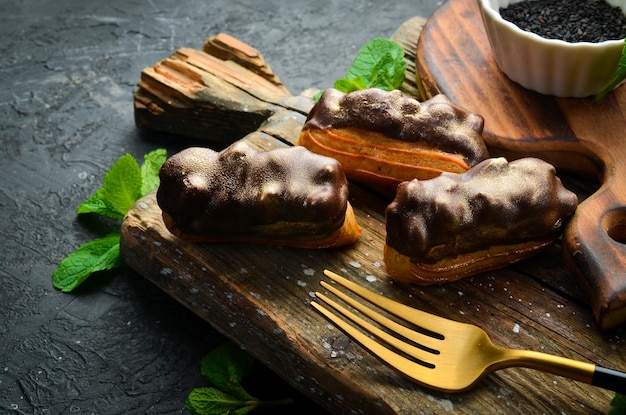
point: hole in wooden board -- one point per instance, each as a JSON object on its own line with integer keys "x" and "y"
{"x": 614, "y": 224}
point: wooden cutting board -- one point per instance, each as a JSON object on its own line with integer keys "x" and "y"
{"x": 259, "y": 296}
{"x": 579, "y": 135}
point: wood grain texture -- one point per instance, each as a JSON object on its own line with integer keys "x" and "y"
{"x": 574, "y": 134}
{"x": 259, "y": 297}
{"x": 210, "y": 94}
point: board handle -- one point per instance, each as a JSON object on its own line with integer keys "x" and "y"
{"x": 594, "y": 250}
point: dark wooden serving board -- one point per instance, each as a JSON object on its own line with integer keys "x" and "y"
{"x": 259, "y": 296}
{"x": 579, "y": 135}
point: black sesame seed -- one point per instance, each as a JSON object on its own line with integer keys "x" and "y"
{"x": 569, "y": 20}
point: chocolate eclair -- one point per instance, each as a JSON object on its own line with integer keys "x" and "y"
{"x": 384, "y": 138}
{"x": 287, "y": 196}
{"x": 457, "y": 225}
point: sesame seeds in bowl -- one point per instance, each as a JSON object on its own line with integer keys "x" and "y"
{"x": 551, "y": 66}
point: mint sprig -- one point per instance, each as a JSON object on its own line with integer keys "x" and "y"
{"x": 620, "y": 75}
{"x": 224, "y": 368}
{"x": 379, "y": 64}
{"x": 123, "y": 185}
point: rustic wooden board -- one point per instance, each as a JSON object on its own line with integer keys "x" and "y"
{"x": 259, "y": 297}
{"x": 218, "y": 94}
{"x": 579, "y": 135}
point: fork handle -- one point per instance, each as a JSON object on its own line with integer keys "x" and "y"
{"x": 609, "y": 379}
{"x": 561, "y": 366}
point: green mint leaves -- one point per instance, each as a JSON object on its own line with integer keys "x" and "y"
{"x": 97, "y": 255}
{"x": 620, "y": 75}
{"x": 224, "y": 368}
{"x": 379, "y": 64}
{"x": 120, "y": 189}
{"x": 618, "y": 405}
{"x": 123, "y": 185}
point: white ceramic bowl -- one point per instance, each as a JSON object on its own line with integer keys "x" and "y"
{"x": 549, "y": 66}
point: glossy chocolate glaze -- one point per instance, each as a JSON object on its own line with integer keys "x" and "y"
{"x": 436, "y": 123}
{"x": 242, "y": 191}
{"x": 494, "y": 203}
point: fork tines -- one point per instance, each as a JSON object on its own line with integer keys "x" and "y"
{"x": 424, "y": 342}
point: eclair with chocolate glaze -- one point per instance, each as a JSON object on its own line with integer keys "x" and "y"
{"x": 457, "y": 225}
{"x": 287, "y": 196}
{"x": 384, "y": 138}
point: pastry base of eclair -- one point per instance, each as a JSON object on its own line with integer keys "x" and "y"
{"x": 347, "y": 234}
{"x": 371, "y": 157}
{"x": 402, "y": 268}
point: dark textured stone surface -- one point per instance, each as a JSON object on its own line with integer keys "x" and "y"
{"x": 68, "y": 72}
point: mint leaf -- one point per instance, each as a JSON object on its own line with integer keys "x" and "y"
{"x": 225, "y": 367}
{"x": 620, "y": 75}
{"x": 98, "y": 206}
{"x": 380, "y": 63}
{"x": 97, "y": 255}
{"x": 618, "y": 404}
{"x": 152, "y": 163}
{"x": 211, "y": 401}
{"x": 122, "y": 185}
{"x": 349, "y": 85}
{"x": 389, "y": 69}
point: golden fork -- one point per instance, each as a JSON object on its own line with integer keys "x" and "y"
{"x": 443, "y": 354}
